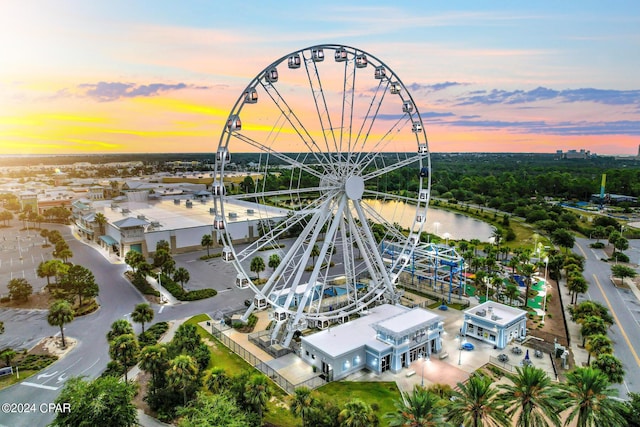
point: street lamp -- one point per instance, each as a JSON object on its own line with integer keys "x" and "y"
{"x": 436, "y": 225}
{"x": 422, "y": 374}
{"x": 546, "y": 288}
{"x": 460, "y": 349}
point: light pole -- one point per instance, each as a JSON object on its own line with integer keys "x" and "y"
{"x": 436, "y": 225}
{"x": 460, "y": 349}
{"x": 421, "y": 357}
{"x": 486, "y": 285}
{"x": 546, "y": 288}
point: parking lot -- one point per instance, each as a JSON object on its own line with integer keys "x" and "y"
{"x": 21, "y": 252}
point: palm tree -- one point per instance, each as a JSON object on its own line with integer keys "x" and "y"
{"x": 589, "y": 399}
{"x": 218, "y": 380}
{"x": 274, "y": 261}
{"x": 302, "y": 403}
{"x": 207, "y": 241}
{"x": 315, "y": 251}
{"x": 576, "y": 284}
{"x": 611, "y": 366}
{"x": 101, "y": 220}
{"x": 598, "y": 344}
{"x": 592, "y": 325}
{"x": 181, "y": 275}
{"x": 532, "y": 400}
{"x": 119, "y": 327}
{"x": 46, "y": 270}
{"x": 257, "y": 393}
{"x": 153, "y": 359}
{"x": 182, "y": 373}
{"x": 511, "y": 292}
{"x": 60, "y": 313}
{"x": 476, "y": 404}
{"x": 257, "y": 265}
{"x": 124, "y": 350}
{"x": 134, "y": 259}
{"x": 357, "y": 413}
{"x": 422, "y": 409}
{"x": 64, "y": 254}
{"x": 527, "y": 270}
{"x": 142, "y": 313}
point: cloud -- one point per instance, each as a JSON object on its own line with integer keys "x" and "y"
{"x": 414, "y": 87}
{"x": 600, "y": 96}
{"x": 111, "y": 91}
{"x": 575, "y": 128}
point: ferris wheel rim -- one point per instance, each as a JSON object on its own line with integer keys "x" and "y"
{"x": 355, "y": 185}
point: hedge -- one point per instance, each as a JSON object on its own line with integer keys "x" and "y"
{"x": 182, "y": 295}
{"x": 152, "y": 334}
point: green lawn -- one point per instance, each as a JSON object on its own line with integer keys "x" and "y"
{"x": 277, "y": 410}
{"x": 383, "y": 394}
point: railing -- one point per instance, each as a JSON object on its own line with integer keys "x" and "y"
{"x": 251, "y": 359}
{"x": 512, "y": 368}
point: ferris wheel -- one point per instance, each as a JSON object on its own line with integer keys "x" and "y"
{"x": 336, "y": 195}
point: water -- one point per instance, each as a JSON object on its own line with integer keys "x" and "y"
{"x": 442, "y": 223}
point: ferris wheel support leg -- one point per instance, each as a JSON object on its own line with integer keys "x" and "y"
{"x": 288, "y": 338}
{"x": 247, "y": 313}
{"x": 276, "y": 331}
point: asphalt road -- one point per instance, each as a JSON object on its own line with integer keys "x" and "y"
{"x": 90, "y": 357}
{"x": 624, "y": 306}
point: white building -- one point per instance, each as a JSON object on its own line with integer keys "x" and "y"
{"x": 495, "y": 323}
{"x": 388, "y": 337}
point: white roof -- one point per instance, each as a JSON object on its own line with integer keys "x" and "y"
{"x": 495, "y": 312}
{"x": 356, "y": 333}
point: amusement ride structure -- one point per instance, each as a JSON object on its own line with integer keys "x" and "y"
{"x": 335, "y": 128}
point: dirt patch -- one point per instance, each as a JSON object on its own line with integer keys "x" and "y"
{"x": 554, "y": 319}
{"x": 53, "y": 346}
{"x": 143, "y": 380}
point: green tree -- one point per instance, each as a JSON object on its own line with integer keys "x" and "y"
{"x": 592, "y": 325}
{"x": 611, "y": 366}
{"x": 576, "y": 284}
{"x": 119, "y": 327}
{"x": 154, "y": 360}
{"x": 64, "y": 254}
{"x": 274, "y": 261}
{"x": 531, "y": 399}
{"x": 104, "y": 401}
{"x": 19, "y": 289}
{"x": 527, "y": 271}
{"x": 315, "y": 251}
{"x": 218, "y": 380}
{"x": 512, "y": 292}
{"x": 563, "y": 238}
{"x": 598, "y": 344}
{"x": 475, "y": 403}
{"x": 7, "y": 355}
{"x": 101, "y": 220}
{"x": 161, "y": 257}
{"x": 257, "y": 394}
{"x": 590, "y": 308}
{"x": 218, "y": 410}
{"x": 142, "y": 313}
{"x": 1, "y": 328}
{"x": 134, "y": 259}
{"x": 589, "y": 399}
{"x": 257, "y": 265}
{"x": 60, "y": 313}
{"x": 182, "y": 374}
{"x": 46, "y": 270}
{"x": 357, "y": 413}
{"x": 80, "y": 281}
{"x": 163, "y": 245}
{"x": 422, "y": 408}
{"x": 622, "y": 271}
{"x": 631, "y": 410}
{"x": 301, "y": 404}
{"x": 207, "y": 242}
{"x": 124, "y": 350}
{"x": 181, "y": 275}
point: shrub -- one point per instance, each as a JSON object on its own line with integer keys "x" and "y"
{"x": 182, "y": 295}
{"x": 140, "y": 282}
{"x": 37, "y": 362}
{"x": 86, "y": 309}
{"x": 152, "y": 334}
{"x": 597, "y": 245}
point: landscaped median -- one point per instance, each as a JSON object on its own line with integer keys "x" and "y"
{"x": 180, "y": 294}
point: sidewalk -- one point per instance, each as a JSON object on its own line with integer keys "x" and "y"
{"x": 580, "y": 355}
{"x": 145, "y": 420}
{"x": 165, "y": 296}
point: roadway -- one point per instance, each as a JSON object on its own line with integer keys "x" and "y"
{"x": 624, "y": 306}
{"x": 90, "y": 356}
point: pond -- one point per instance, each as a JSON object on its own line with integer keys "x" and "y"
{"x": 439, "y": 222}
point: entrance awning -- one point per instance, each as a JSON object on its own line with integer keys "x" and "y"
{"x": 108, "y": 240}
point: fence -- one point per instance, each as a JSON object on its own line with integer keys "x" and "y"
{"x": 248, "y": 357}
{"x": 435, "y": 296}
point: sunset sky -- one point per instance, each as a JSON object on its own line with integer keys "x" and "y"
{"x": 162, "y": 76}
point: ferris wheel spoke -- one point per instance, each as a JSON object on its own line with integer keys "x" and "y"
{"x": 289, "y": 114}
{"x": 322, "y": 109}
{"x": 267, "y": 194}
{"x": 383, "y": 144}
{"x": 394, "y": 166}
{"x": 284, "y": 157}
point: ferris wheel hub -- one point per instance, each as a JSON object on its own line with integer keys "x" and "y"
{"x": 354, "y": 187}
